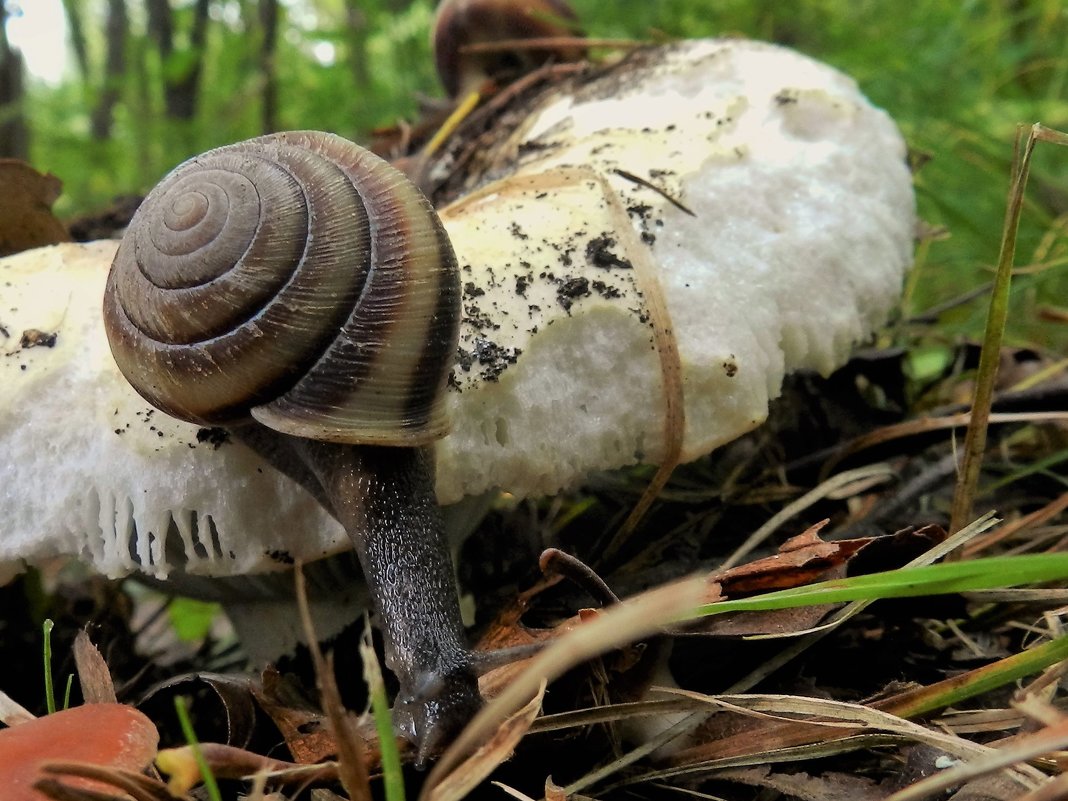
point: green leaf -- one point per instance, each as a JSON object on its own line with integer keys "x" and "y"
{"x": 192, "y": 619}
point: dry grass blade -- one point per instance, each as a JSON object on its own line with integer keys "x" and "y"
{"x": 613, "y": 713}
{"x": 628, "y": 622}
{"x": 136, "y": 785}
{"x": 352, "y": 761}
{"x": 12, "y": 713}
{"x": 469, "y": 773}
{"x": 790, "y": 739}
{"x": 800, "y": 734}
{"x": 924, "y": 425}
{"x": 1036, "y": 518}
{"x": 1051, "y": 738}
{"x": 518, "y": 795}
{"x": 975, "y": 440}
{"x": 825, "y": 720}
{"x": 667, "y": 349}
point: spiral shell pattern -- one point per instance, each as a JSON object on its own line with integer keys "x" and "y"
{"x": 295, "y": 278}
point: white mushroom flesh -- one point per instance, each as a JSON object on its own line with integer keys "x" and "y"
{"x": 800, "y": 234}
{"x": 91, "y": 470}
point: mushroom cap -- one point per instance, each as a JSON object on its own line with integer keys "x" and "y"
{"x": 797, "y": 237}
{"x": 798, "y": 232}
{"x": 91, "y": 470}
{"x": 109, "y": 735}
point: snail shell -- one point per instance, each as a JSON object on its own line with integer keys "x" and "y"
{"x": 295, "y": 278}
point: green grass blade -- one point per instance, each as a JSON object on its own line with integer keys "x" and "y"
{"x": 951, "y": 691}
{"x": 210, "y": 784}
{"x": 952, "y": 577}
{"x": 392, "y": 773}
{"x": 50, "y": 693}
{"x": 66, "y": 691}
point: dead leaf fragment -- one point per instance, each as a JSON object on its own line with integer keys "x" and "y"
{"x": 93, "y": 673}
{"x": 26, "y": 219}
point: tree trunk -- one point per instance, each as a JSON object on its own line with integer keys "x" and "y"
{"x": 269, "y": 30}
{"x": 14, "y": 137}
{"x": 160, "y": 26}
{"x": 114, "y": 70}
{"x": 179, "y": 85}
{"x": 357, "y": 29}
{"x": 73, "y": 9}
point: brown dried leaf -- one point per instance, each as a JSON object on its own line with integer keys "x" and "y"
{"x": 94, "y": 676}
{"x": 770, "y": 623}
{"x": 227, "y": 762}
{"x": 307, "y": 735}
{"x": 801, "y": 560}
{"x": 806, "y": 559}
{"x": 26, "y": 219}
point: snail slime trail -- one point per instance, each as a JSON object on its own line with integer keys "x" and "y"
{"x": 326, "y": 354}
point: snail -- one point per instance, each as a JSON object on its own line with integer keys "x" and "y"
{"x": 460, "y": 24}
{"x": 300, "y": 292}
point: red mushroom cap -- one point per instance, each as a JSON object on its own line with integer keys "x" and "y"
{"x": 112, "y": 735}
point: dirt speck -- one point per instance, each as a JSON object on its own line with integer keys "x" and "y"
{"x": 35, "y": 338}
{"x": 213, "y": 436}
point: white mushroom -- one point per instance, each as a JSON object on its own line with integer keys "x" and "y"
{"x": 91, "y": 470}
{"x": 791, "y": 246}
{"x": 798, "y": 233}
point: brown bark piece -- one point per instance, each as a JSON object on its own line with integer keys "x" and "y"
{"x": 26, "y": 219}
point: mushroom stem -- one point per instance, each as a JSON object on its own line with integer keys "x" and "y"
{"x": 384, "y": 497}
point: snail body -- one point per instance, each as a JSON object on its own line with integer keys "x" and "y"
{"x": 301, "y": 292}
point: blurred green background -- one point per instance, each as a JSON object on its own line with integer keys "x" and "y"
{"x": 957, "y": 76}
